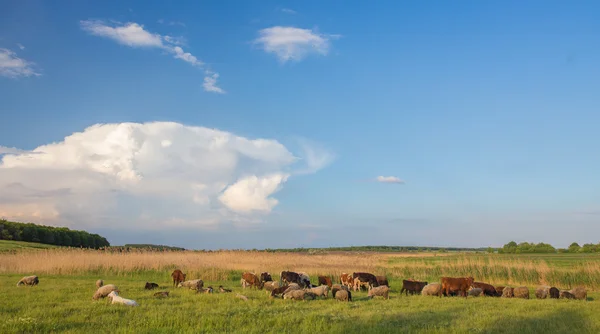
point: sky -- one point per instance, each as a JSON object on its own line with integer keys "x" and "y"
{"x": 268, "y": 124}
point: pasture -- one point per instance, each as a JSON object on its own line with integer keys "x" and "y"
{"x": 62, "y": 301}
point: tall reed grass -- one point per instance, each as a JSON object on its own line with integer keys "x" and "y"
{"x": 227, "y": 265}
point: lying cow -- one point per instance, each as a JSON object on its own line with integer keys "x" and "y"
{"x": 459, "y": 285}
{"x": 414, "y": 287}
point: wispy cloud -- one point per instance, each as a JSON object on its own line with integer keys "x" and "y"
{"x": 314, "y": 156}
{"x": 13, "y": 67}
{"x": 20, "y": 46}
{"x": 289, "y": 11}
{"x": 389, "y": 179}
{"x": 210, "y": 83}
{"x": 12, "y": 150}
{"x": 171, "y": 23}
{"x": 290, "y": 43}
{"x": 135, "y": 35}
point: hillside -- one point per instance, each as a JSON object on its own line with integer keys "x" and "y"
{"x": 9, "y": 245}
{"x": 50, "y": 235}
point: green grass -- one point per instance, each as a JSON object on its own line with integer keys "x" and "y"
{"x": 10, "y": 246}
{"x": 63, "y": 304}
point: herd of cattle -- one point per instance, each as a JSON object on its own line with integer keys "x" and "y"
{"x": 298, "y": 286}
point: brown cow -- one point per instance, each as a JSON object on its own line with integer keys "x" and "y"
{"x": 456, "y": 284}
{"x": 291, "y": 277}
{"x": 382, "y": 280}
{"x": 324, "y": 280}
{"x": 488, "y": 289}
{"x": 252, "y": 280}
{"x": 346, "y": 280}
{"x": 178, "y": 277}
{"x": 414, "y": 287}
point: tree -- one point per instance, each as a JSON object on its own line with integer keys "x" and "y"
{"x": 574, "y": 248}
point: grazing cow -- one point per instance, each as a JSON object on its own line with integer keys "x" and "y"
{"x": 566, "y": 295}
{"x": 347, "y": 280}
{"x": 382, "y": 280}
{"x": 488, "y": 289}
{"x": 456, "y": 284}
{"x": 265, "y": 277}
{"x": 507, "y": 292}
{"x": 554, "y": 293}
{"x": 178, "y": 277}
{"x": 412, "y": 287}
{"x": 579, "y": 293}
{"x": 252, "y": 280}
{"x": 358, "y": 285}
{"x": 521, "y": 292}
{"x": 499, "y": 290}
{"x": 337, "y": 287}
{"x": 305, "y": 279}
{"x": 344, "y": 296}
{"x": 542, "y": 292}
{"x": 382, "y": 291}
{"x": 290, "y": 277}
{"x": 475, "y": 292}
{"x": 150, "y": 286}
{"x": 324, "y": 280}
{"x": 369, "y": 278}
{"x": 432, "y": 289}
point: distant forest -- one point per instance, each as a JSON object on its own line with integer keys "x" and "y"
{"x": 526, "y": 247}
{"x": 59, "y": 236}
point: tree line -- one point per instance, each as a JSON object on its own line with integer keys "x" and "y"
{"x": 526, "y": 247}
{"x": 59, "y": 236}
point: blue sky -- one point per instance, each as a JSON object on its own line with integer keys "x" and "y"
{"x": 488, "y": 111}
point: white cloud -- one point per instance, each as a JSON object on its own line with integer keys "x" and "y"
{"x": 130, "y": 34}
{"x": 20, "y": 46}
{"x": 210, "y": 83}
{"x": 290, "y": 43}
{"x": 11, "y": 150}
{"x": 289, "y": 11}
{"x": 389, "y": 179}
{"x": 110, "y": 175}
{"x": 134, "y": 35}
{"x": 315, "y": 156}
{"x": 12, "y": 66}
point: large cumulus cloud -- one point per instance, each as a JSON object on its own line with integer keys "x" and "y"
{"x": 148, "y": 175}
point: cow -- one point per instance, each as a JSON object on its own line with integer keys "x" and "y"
{"x": 456, "y": 284}
{"x": 305, "y": 279}
{"x": 265, "y": 277}
{"x": 150, "y": 286}
{"x": 290, "y": 277}
{"x": 382, "y": 280}
{"x": 178, "y": 277}
{"x": 346, "y": 280}
{"x": 414, "y": 287}
{"x": 488, "y": 289}
{"x": 554, "y": 293}
{"x": 252, "y": 280}
{"x": 499, "y": 290}
{"x": 324, "y": 280}
{"x": 358, "y": 285}
{"x": 365, "y": 277}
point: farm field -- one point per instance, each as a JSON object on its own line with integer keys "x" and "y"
{"x": 9, "y": 246}
{"x": 62, "y": 301}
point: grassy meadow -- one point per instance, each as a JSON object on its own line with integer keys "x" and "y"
{"x": 62, "y": 302}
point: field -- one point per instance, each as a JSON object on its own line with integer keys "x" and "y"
{"x": 62, "y": 301}
{"x": 10, "y": 246}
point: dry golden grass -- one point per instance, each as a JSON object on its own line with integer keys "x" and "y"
{"x": 221, "y": 265}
